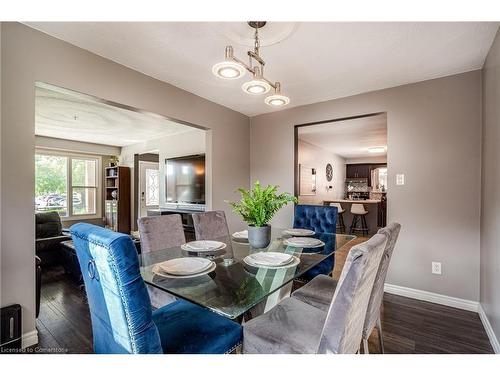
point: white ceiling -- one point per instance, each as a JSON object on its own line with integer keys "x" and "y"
{"x": 350, "y": 138}
{"x": 314, "y": 61}
{"x": 65, "y": 114}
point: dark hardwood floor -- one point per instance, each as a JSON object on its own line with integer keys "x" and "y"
{"x": 64, "y": 320}
{"x": 410, "y": 326}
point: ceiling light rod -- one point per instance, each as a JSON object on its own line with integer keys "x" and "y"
{"x": 255, "y": 70}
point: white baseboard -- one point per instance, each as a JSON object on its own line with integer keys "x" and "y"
{"x": 441, "y": 299}
{"x": 29, "y": 339}
{"x": 489, "y": 330}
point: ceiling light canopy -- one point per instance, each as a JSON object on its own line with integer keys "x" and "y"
{"x": 377, "y": 149}
{"x": 233, "y": 68}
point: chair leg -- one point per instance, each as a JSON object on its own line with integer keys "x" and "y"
{"x": 365, "y": 346}
{"x": 380, "y": 335}
{"x": 353, "y": 223}
{"x": 342, "y": 224}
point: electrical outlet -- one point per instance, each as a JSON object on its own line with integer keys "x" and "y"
{"x": 436, "y": 268}
{"x": 400, "y": 179}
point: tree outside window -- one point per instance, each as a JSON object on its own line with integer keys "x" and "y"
{"x": 60, "y": 176}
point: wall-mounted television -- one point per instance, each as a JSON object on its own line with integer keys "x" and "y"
{"x": 185, "y": 179}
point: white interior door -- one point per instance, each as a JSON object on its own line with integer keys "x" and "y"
{"x": 149, "y": 186}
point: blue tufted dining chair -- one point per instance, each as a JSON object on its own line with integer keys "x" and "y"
{"x": 120, "y": 308}
{"x": 322, "y": 220}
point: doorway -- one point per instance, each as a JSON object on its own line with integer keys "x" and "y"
{"x": 149, "y": 186}
{"x": 343, "y": 163}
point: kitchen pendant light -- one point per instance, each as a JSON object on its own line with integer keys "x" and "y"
{"x": 233, "y": 68}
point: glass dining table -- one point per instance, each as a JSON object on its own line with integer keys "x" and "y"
{"x": 234, "y": 287}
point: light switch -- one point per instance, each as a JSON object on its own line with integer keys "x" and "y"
{"x": 400, "y": 179}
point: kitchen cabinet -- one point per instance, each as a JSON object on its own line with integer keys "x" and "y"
{"x": 362, "y": 171}
{"x": 357, "y": 171}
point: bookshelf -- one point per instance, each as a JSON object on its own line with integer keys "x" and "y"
{"x": 117, "y": 186}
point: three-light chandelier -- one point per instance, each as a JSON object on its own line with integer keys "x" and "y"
{"x": 234, "y": 68}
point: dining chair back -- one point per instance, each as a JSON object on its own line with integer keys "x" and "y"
{"x": 321, "y": 219}
{"x": 210, "y": 225}
{"x": 373, "y": 312}
{"x": 161, "y": 232}
{"x": 119, "y": 304}
{"x": 342, "y": 331}
{"x": 157, "y": 233}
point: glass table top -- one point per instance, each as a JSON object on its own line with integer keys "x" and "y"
{"x": 234, "y": 287}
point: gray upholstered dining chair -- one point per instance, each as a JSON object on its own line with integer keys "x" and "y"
{"x": 157, "y": 233}
{"x": 210, "y": 225}
{"x": 320, "y": 291}
{"x": 295, "y": 327}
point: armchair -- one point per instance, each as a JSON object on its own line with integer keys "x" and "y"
{"x": 49, "y": 235}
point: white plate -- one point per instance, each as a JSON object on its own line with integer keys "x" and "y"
{"x": 241, "y": 235}
{"x": 295, "y": 262}
{"x": 203, "y": 245}
{"x": 303, "y": 242}
{"x": 299, "y": 232}
{"x": 157, "y": 271}
{"x": 270, "y": 258}
{"x": 185, "y": 266}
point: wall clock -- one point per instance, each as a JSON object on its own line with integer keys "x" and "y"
{"x": 329, "y": 172}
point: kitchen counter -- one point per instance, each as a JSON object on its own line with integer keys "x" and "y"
{"x": 371, "y": 205}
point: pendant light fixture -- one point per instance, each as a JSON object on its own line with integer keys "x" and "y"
{"x": 229, "y": 69}
{"x": 233, "y": 68}
{"x": 257, "y": 85}
{"x": 277, "y": 100}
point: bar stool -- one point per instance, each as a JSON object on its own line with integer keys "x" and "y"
{"x": 340, "y": 216}
{"x": 358, "y": 218}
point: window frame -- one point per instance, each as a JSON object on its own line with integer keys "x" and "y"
{"x": 69, "y": 182}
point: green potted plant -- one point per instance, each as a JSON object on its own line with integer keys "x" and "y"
{"x": 257, "y": 207}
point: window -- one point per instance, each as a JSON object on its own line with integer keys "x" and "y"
{"x": 382, "y": 178}
{"x": 59, "y": 176}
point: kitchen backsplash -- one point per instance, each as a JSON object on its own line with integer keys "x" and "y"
{"x": 356, "y": 186}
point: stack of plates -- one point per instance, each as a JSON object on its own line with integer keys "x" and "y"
{"x": 303, "y": 242}
{"x": 271, "y": 260}
{"x": 184, "y": 267}
{"x": 203, "y": 245}
{"x": 299, "y": 232}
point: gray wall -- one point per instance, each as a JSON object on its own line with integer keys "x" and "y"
{"x": 29, "y": 56}
{"x": 490, "y": 213}
{"x": 434, "y": 132}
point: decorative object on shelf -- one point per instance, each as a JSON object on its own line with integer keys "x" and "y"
{"x": 114, "y": 194}
{"x": 307, "y": 180}
{"x": 234, "y": 68}
{"x": 113, "y": 161}
{"x": 329, "y": 172}
{"x": 257, "y": 207}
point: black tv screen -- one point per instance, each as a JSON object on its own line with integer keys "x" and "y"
{"x": 185, "y": 179}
